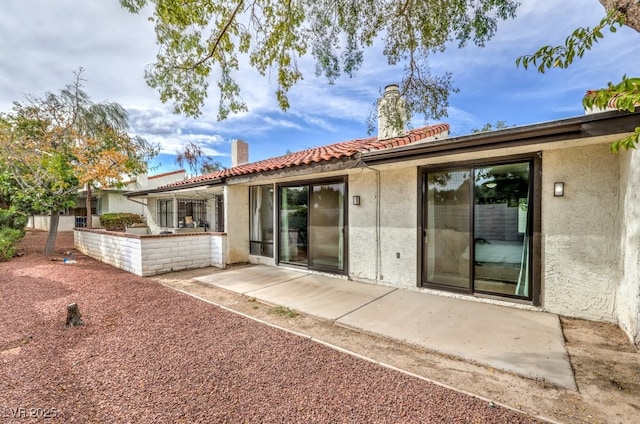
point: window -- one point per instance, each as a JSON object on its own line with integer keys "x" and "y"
{"x": 165, "y": 213}
{"x": 192, "y": 213}
{"x": 261, "y": 220}
{"x": 477, "y": 225}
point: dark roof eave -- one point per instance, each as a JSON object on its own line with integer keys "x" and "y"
{"x": 208, "y": 183}
{"x": 579, "y": 127}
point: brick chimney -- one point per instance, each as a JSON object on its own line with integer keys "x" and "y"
{"x": 239, "y": 152}
{"x": 392, "y": 113}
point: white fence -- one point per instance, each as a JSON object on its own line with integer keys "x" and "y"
{"x": 66, "y": 223}
{"x": 147, "y": 255}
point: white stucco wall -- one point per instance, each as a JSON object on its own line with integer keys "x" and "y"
{"x": 580, "y": 232}
{"x": 628, "y": 298}
{"x": 151, "y": 215}
{"x": 236, "y": 222}
{"x": 362, "y": 226}
{"x": 117, "y": 203}
{"x": 398, "y": 218}
{"x": 66, "y": 222}
{"x": 154, "y": 181}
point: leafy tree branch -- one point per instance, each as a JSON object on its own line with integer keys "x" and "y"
{"x": 203, "y": 40}
{"x": 623, "y": 96}
{"x": 55, "y": 145}
{"x": 581, "y": 40}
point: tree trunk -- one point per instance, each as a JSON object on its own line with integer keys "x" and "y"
{"x": 88, "y": 205}
{"x": 54, "y": 219}
{"x": 631, "y": 9}
{"x": 73, "y": 315}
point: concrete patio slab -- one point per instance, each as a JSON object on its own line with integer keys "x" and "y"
{"x": 321, "y": 296}
{"x": 247, "y": 279}
{"x": 525, "y": 342}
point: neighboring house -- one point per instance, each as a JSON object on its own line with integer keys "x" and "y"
{"x": 542, "y": 217}
{"x": 108, "y": 200}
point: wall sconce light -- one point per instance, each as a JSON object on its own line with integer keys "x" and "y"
{"x": 558, "y": 189}
{"x": 356, "y": 200}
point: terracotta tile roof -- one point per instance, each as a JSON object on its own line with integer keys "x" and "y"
{"x": 341, "y": 150}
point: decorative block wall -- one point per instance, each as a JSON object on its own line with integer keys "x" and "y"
{"x": 147, "y": 255}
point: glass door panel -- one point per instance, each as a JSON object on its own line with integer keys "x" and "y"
{"x": 261, "y": 220}
{"x": 501, "y": 227}
{"x": 294, "y": 206}
{"x": 326, "y": 226}
{"x": 447, "y": 231}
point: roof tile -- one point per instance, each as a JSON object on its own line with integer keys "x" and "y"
{"x": 345, "y": 149}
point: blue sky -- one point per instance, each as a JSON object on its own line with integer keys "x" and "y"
{"x": 42, "y": 42}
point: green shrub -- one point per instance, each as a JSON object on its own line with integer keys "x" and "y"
{"x": 12, "y": 229}
{"x": 119, "y": 221}
{"x": 11, "y": 218}
{"x": 8, "y": 238}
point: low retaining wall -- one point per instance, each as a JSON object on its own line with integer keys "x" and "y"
{"x": 147, "y": 255}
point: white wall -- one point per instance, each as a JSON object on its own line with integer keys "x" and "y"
{"x": 118, "y": 250}
{"x": 398, "y": 233}
{"x": 363, "y": 238}
{"x": 155, "y": 181}
{"x": 398, "y": 222}
{"x": 117, "y": 203}
{"x": 628, "y": 299}
{"x": 580, "y": 232}
{"x": 236, "y": 222}
{"x": 152, "y": 207}
{"x": 66, "y": 223}
{"x": 151, "y": 255}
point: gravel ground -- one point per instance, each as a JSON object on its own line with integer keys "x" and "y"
{"x": 149, "y": 354}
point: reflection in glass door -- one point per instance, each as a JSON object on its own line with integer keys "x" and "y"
{"x": 326, "y": 226}
{"x": 501, "y": 223}
{"x": 312, "y": 225}
{"x": 294, "y": 206}
{"x": 447, "y": 252}
{"x": 477, "y": 229}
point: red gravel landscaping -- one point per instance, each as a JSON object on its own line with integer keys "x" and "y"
{"x": 149, "y": 354}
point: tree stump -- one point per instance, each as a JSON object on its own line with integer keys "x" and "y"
{"x": 73, "y": 315}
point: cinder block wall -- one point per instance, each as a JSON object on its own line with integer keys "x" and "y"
{"x": 118, "y": 250}
{"x": 151, "y": 255}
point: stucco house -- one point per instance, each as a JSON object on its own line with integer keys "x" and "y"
{"x": 107, "y": 200}
{"x": 541, "y": 217}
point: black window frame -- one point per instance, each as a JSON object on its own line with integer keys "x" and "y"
{"x": 535, "y": 182}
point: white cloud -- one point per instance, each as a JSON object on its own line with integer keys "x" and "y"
{"x": 42, "y": 42}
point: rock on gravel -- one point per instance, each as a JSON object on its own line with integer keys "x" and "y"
{"x": 149, "y": 354}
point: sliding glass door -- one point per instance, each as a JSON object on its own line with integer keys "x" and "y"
{"x": 312, "y": 225}
{"x": 326, "y": 226}
{"x": 447, "y": 234}
{"x": 294, "y": 211}
{"x": 501, "y": 229}
{"x": 261, "y": 220}
{"x": 477, "y": 227}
